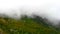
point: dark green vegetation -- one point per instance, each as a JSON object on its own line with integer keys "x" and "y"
{"x": 26, "y": 25}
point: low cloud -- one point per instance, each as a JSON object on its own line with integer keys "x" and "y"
{"x": 16, "y": 8}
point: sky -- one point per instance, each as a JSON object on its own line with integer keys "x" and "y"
{"x": 47, "y": 8}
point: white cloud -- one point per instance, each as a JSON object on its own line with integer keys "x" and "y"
{"x": 51, "y": 8}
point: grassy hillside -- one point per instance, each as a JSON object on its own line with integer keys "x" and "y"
{"x": 26, "y": 25}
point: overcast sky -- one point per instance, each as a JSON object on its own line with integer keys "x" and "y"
{"x": 50, "y": 8}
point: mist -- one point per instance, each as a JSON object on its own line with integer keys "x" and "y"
{"x": 49, "y": 9}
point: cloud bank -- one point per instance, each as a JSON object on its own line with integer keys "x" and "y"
{"x": 45, "y": 8}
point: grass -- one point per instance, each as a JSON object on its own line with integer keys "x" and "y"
{"x": 26, "y": 25}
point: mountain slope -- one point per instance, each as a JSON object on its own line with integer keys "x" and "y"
{"x": 25, "y": 25}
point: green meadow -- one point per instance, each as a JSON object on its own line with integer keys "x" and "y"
{"x": 26, "y": 25}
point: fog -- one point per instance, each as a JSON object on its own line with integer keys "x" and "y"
{"x": 49, "y": 9}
